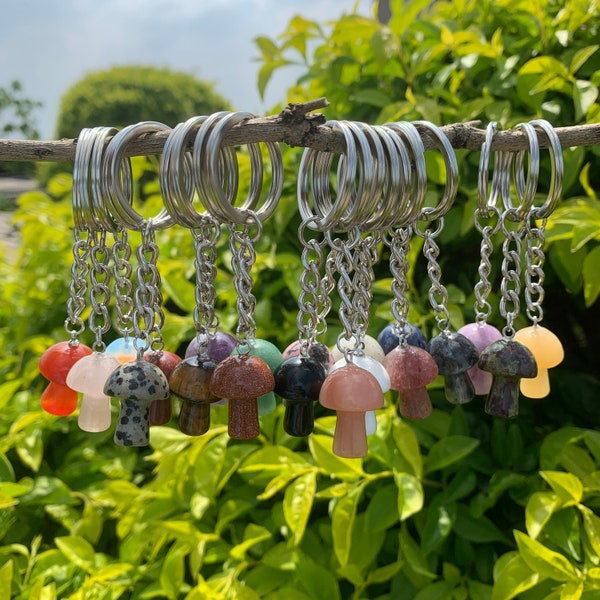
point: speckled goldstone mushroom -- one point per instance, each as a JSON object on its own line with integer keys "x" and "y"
{"x": 190, "y": 381}
{"x": 508, "y": 361}
{"x": 242, "y": 378}
{"x": 136, "y": 384}
{"x": 454, "y": 355}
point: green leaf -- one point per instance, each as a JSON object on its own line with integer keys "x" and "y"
{"x": 342, "y": 522}
{"x": 440, "y": 590}
{"x": 297, "y": 504}
{"x": 321, "y": 447}
{"x": 540, "y": 507}
{"x": 448, "y": 451}
{"x": 382, "y": 511}
{"x": 317, "y": 580}
{"x": 591, "y": 281}
{"x": 568, "y": 264}
{"x": 6, "y": 575}
{"x": 410, "y": 494}
{"x": 514, "y": 578}
{"x": 591, "y": 527}
{"x": 408, "y": 445}
{"x": 585, "y": 95}
{"x": 78, "y": 550}
{"x": 413, "y": 556}
{"x": 383, "y": 574}
{"x": 544, "y": 561}
{"x": 438, "y": 524}
{"x": 580, "y": 58}
{"x": 253, "y": 534}
{"x": 479, "y": 530}
{"x": 373, "y": 97}
{"x": 172, "y": 571}
{"x": 565, "y": 485}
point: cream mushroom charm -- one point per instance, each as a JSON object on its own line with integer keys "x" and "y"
{"x": 88, "y": 376}
{"x": 547, "y": 351}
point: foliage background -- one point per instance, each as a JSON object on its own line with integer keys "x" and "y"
{"x": 457, "y": 506}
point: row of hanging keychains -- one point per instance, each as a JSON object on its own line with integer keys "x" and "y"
{"x": 380, "y": 188}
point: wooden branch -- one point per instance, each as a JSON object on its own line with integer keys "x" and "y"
{"x": 295, "y": 127}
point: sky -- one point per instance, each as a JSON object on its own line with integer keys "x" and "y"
{"x": 48, "y": 45}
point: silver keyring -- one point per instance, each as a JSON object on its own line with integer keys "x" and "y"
{"x": 410, "y": 138}
{"x": 439, "y": 137}
{"x": 115, "y": 172}
{"x": 557, "y": 170}
{"x": 82, "y": 208}
{"x": 208, "y": 171}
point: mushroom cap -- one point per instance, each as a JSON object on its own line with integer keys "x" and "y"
{"x": 369, "y": 364}
{"x": 372, "y": 348}
{"x": 137, "y": 380}
{"x": 219, "y": 346}
{"x": 316, "y": 350}
{"x": 410, "y": 367}
{"x": 242, "y": 376}
{"x": 481, "y": 334}
{"x": 300, "y": 378}
{"x": 388, "y": 338}
{"x": 264, "y": 349}
{"x": 89, "y": 374}
{"x": 190, "y": 380}
{"x": 543, "y": 344}
{"x": 453, "y": 352}
{"x": 166, "y": 361}
{"x": 508, "y": 358}
{"x": 57, "y": 361}
{"x": 351, "y": 389}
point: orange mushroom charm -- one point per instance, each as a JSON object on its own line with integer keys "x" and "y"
{"x": 547, "y": 351}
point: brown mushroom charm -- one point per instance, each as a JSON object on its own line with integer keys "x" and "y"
{"x": 351, "y": 391}
{"x": 190, "y": 381}
{"x": 161, "y": 410}
{"x": 242, "y": 378}
{"x": 136, "y": 384}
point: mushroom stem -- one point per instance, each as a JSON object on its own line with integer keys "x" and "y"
{"x": 459, "y": 388}
{"x": 299, "y": 417}
{"x": 94, "y": 414}
{"x": 536, "y": 387}
{"x": 160, "y": 412}
{"x": 503, "y": 399}
{"x": 59, "y": 400}
{"x": 133, "y": 425}
{"x": 194, "y": 417}
{"x": 243, "y": 418}
{"x": 350, "y": 436}
{"x": 414, "y": 403}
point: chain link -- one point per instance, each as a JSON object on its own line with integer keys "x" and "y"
{"x": 206, "y": 322}
{"x": 99, "y": 320}
{"x": 482, "y": 289}
{"x": 511, "y": 272}
{"x": 74, "y": 324}
{"x": 365, "y": 256}
{"x": 534, "y": 269}
{"x": 243, "y": 257}
{"x": 122, "y": 286}
{"x": 399, "y": 244}
{"x": 148, "y": 297}
{"x": 438, "y": 294}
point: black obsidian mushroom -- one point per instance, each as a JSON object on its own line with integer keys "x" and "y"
{"x": 298, "y": 381}
{"x": 508, "y": 361}
{"x": 455, "y": 355}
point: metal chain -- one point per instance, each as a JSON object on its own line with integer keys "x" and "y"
{"x": 74, "y": 324}
{"x": 206, "y": 322}
{"x": 148, "y": 297}
{"x": 365, "y": 256}
{"x": 534, "y": 269}
{"x": 122, "y": 287}
{"x": 511, "y": 272}
{"x": 482, "y": 289}
{"x": 438, "y": 294}
{"x": 243, "y": 257}
{"x": 313, "y": 302}
{"x": 99, "y": 321}
{"x": 399, "y": 244}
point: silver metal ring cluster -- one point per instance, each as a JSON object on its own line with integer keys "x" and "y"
{"x": 208, "y": 174}
{"x": 380, "y": 180}
{"x": 511, "y": 166}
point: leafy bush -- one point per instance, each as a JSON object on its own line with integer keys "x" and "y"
{"x": 458, "y": 505}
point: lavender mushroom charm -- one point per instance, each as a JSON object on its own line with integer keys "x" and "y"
{"x": 136, "y": 384}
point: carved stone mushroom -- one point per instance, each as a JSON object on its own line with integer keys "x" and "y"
{"x": 482, "y": 335}
{"x": 508, "y": 361}
{"x": 136, "y": 384}
{"x": 242, "y": 379}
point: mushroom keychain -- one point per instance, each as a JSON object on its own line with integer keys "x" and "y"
{"x": 508, "y": 360}
{"x": 544, "y": 345}
{"x": 487, "y": 222}
{"x": 299, "y": 378}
